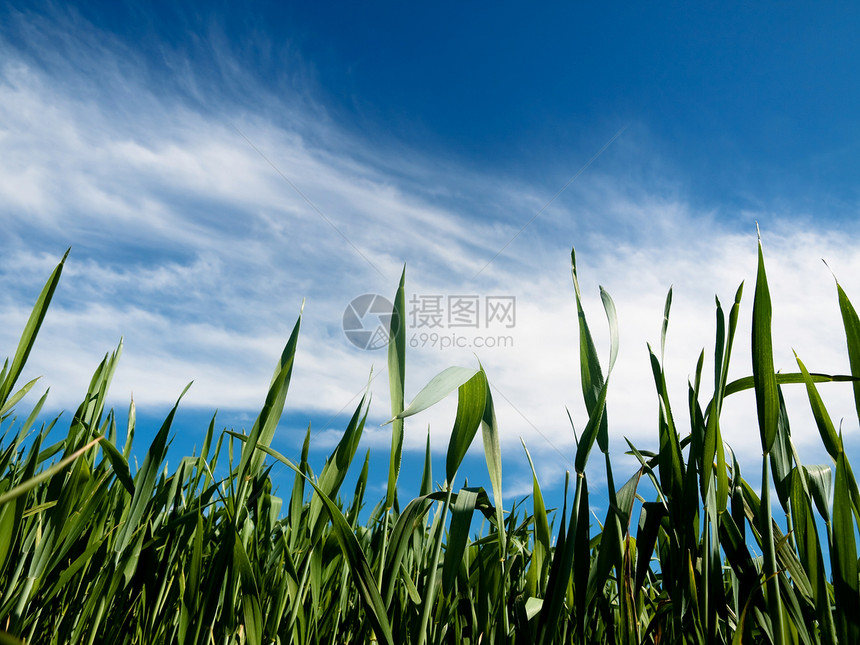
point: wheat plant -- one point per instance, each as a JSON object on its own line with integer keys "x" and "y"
{"x": 95, "y": 551}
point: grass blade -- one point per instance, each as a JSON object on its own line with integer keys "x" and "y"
{"x": 764, "y": 375}
{"x": 471, "y": 405}
{"x": 851, "y": 323}
{"x": 843, "y": 558}
{"x": 591, "y": 375}
{"x": 31, "y": 329}
{"x": 493, "y": 457}
{"x": 437, "y": 389}
{"x": 396, "y": 384}
{"x": 264, "y": 427}
{"x": 461, "y": 521}
{"x": 822, "y": 417}
{"x": 45, "y": 475}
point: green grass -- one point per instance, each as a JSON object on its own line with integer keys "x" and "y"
{"x": 91, "y": 552}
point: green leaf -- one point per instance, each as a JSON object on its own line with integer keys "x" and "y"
{"x": 589, "y": 434}
{"x": 461, "y": 521}
{"x": 666, "y": 309}
{"x": 670, "y": 460}
{"x": 20, "y": 394}
{"x": 764, "y": 375}
{"x": 396, "y": 385}
{"x": 851, "y": 323}
{"x": 569, "y": 547}
{"x": 264, "y": 427}
{"x": 31, "y": 329}
{"x": 809, "y": 552}
{"x": 843, "y": 558}
{"x": 129, "y": 435}
{"x": 437, "y": 389}
{"x": 650, "y": 518}
{"x": 614, "y": 343}
{"x": 411, "y": 589}
{"x": 427, "y": 474}
{"x": 781, "y": 455}
{"x": 471, "y": 405}
{"x": 818, "y": 479}
{"x": 8, "y": 528}
{"x": 119, "y": 464}
{"x": 145, "y": 481}
{"x": 250, "y": 593}
{"x": 407, "y": 524}
{"x": 748, "y": 383}
{"x": 334, "y": 472}
{"x": 45, "y": 475}
{"x": 594, "y": 386}
{"x": 819, "y": 411}
{"x": 493, "y": 457}
{"x": 542, "y": 533}
{"x": 591, "y": 375}
{"x": 769, "y": 552}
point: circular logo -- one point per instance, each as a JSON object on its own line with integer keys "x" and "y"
{"x": 366, "y": 321}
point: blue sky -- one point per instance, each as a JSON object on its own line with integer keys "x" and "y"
{"x": 214, "y": 164}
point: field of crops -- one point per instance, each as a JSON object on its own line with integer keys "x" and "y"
{"x": 93, "y": 551}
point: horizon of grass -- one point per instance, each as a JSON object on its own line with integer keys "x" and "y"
{"x": 93, "y": 551}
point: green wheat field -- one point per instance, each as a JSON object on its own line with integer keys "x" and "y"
{"x": 95, "y": 551}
